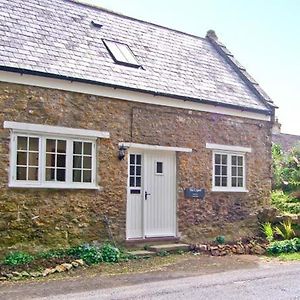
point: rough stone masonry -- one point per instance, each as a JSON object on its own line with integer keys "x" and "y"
{"x": 49, "y": 218}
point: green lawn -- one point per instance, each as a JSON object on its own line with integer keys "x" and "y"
{"x": 288, "y": 256}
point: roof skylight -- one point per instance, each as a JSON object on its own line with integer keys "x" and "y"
{"x": 121, "y": 53}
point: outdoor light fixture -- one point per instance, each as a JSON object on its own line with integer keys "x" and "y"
{"x": 121, "y": 154}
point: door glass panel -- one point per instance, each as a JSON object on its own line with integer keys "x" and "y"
{"x": 135, "y": 171}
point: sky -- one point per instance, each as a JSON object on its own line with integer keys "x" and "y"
{"x": 264, "y": 35}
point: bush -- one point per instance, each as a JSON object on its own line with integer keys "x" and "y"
{"x": 286, "y": 168}
{"x": 18, "y": 258}
{"x": 285, "y": 202}
{"x": 56, "y": 253}
{"x": 90, "y": 254}
{"x": 286, "y": 246}
{"x": 110, "y": 253}
{"x": 220, "y": 239}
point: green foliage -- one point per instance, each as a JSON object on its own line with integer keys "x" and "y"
{"x": 268, "y": 231}
{"x": 56, "y": 253}
{"x": 90, "y": 254}
{"x": 286, "y": 168}
{"x": 285, "y": 246}
{"x": 220, "y": 239}
{"x": 285, "y": 202}
{"x": 110, "y": 253}
{"x": 285, "y": 231}
{"x": 18, "y": 258}
{"x": 163, "y": 253}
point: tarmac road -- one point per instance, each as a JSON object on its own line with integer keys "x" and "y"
{"x": 274, "y": 281}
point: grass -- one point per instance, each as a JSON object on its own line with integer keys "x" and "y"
{"x": 289, "y": 256}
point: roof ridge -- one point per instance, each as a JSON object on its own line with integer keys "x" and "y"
{"x": 93, "y": 6}
{"x": 239, "y": 69}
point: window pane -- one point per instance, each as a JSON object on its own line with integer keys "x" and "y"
{"x": 224, "y": 159}
{"x": 217, "y": 170}
{"x": 217, "y": 181}
{"x": 138, "y": 159}
{"x": 159, "y": 167}
{"x": 77, "y": 175}
{"x": 224, "y": 181}
{"x": 233, "y": 181}
{"x": 217, "y": 159}
{"x": 233, "y": 171}
{"x": 50, "y": 174}
{"x": 240, "y": 182}
{"x": 138, "y": 181}
{"x": 87, "y": 149}
{"x": 21, "y": 173}
{"x": 50, "y": 145}
{"x": 87, "y": 176}
{"x": 87, "y": 162}
{"x": 61, "y": 146}
{"x": 233, "y": 160}
{"x": 77, "y": 147}
{"x": 138, "y": 170}
{"x": 224, "y": 170}
{"x": 61, "y": 160}
{"x": 131, "y": 181}
{"x": 240, "y": 160}
{"x": 77, "y": 161}
{"x": 131, "y": 170}
{"x": 33, "y": 173}
{"x": 33, "y": 144}
{"x": 132, "y": 159}
{"x": 22, "y": 143}
{"x": 33, "y": 159}
{"x": 61, "y": 175}
{"x": 50, "y": 160}
{"x": 240, "y": 171}
{"x": 22, "y": 158}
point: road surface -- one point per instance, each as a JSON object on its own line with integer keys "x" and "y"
{"x": 273, "y": 281}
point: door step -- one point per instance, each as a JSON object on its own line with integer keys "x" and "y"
{"x": 169, "y": 248}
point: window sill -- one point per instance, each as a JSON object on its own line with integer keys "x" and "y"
{"x": 55, "y": 186}
{"x": 229, "y": 190}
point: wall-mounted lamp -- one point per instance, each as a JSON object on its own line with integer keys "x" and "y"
{"x": 121, "y": 153}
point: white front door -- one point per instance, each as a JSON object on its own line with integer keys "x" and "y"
{"x": 151, "y": 201}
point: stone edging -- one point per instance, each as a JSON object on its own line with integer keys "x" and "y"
{"x": 227, "y": 249}
{"x": 57, "y": 269}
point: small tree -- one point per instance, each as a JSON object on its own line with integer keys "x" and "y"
{"x": 286, "y": 168}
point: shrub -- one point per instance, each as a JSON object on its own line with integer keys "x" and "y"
{"x": 286, "y": 232}
{"x": 268, "y": 231}
{"x": 110, "y": 253}
{"x": 286, "y": 168}
{"x": 18, "y": 258}
{"x": 220, "y": 239}
{"x": 56, "y": 253}
{"x": 285, "y": 202}
{"x": 90, "y": 254}
{"x": 285, "y": 246}
{"x": 162, "y": 253}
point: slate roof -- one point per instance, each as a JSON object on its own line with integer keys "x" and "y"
{"x": 57, "y": 38}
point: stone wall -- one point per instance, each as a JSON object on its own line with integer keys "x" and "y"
{"x": 58, "y": 218}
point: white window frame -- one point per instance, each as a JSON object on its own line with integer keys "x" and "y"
{"x": 44, "y": 132}
{"x": 229, "y": 151}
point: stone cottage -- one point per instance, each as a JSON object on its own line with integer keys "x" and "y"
{"x": 112, "y": 124}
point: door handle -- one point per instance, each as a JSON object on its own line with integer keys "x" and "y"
{"x": 146, "y": 195}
